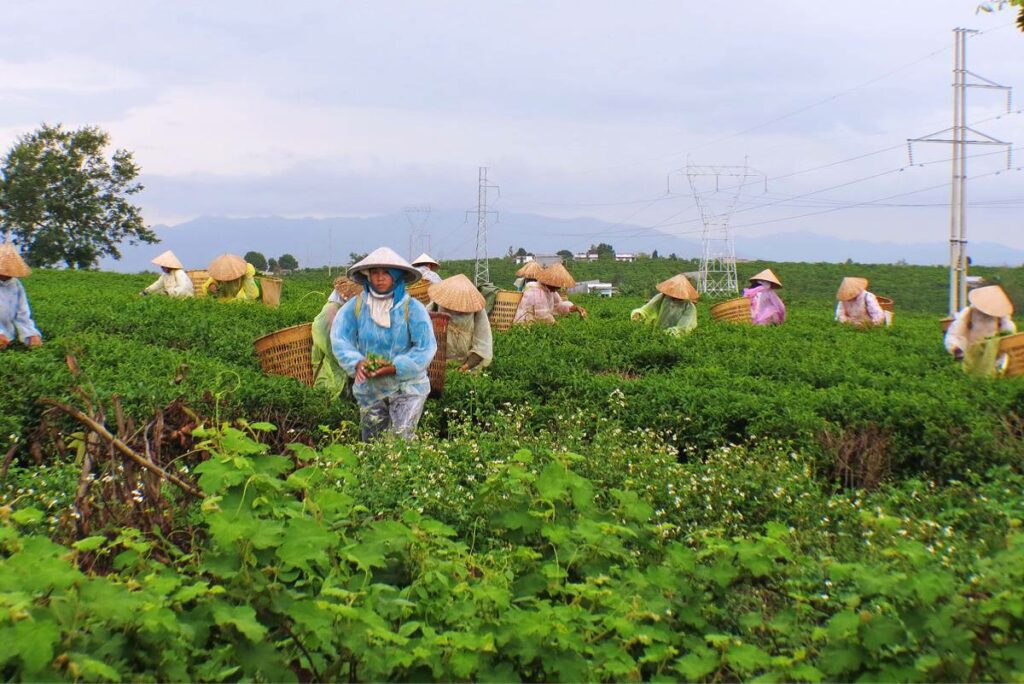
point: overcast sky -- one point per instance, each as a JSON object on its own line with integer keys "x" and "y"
{"x": 578, "y": 107}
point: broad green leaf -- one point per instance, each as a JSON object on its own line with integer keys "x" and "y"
{"x": 243, "y": 618}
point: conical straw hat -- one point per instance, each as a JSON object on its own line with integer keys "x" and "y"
{"x": 167, "y": 260}
{"x": 531, "y": 269}
{"x": 383, "y": 257}
{"x": 11, "y": 263}
{"x": 227, "y": 267}
{"x": 679, "y": 287}
{"x": 991, "y": 300}
{"x": 556, "y": 275}
{"x": 425, "y": 259}
{"x": 850, "y": 288}
{"x": 767, "y": 276}
{"x": 457, "y": 294}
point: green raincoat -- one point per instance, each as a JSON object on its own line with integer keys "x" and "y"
{"x": 675, "y": 316}
{"x": 327, "y": 372}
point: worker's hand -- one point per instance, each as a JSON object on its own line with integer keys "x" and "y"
{"x": 464, "y": 368}
{"x": 581, "y": 311}
{"x": 212, "y": 287}
{"x": 958, "y": 353}
{"x": 383, "y": 371}
{"x": 143, "y": 293}
{"x": 4, "y": 341}
{"x": 34, "y": 341}
{"x": 360, "y": 373}
{"x": 636, "y": 316}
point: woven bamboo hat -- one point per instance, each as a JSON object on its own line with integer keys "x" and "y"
{"x": 347, "y": 288}
{"x": 167, "y": 260}
{"x": 556, "y": 275}
{"x": 457, "y": 294}
{"x": 850, "y": 288}
{"x": 424, "y": 259}
{"x": 383, "y": 257}
{"x": 991, "y": 300}
{"x": 531, "y": 269}
{"x": 678, "y": 287}
{"x": 767, "y": 276}
{"x": 11, "y": 263}
{"x": 227, "y": 267}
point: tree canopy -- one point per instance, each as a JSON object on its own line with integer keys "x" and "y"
{"x": 257, "y": 260}
{"x": 287, "y": 262}
{"x": 64, "y": 201}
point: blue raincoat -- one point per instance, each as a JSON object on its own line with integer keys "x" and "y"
{"x": 409, "y": 344}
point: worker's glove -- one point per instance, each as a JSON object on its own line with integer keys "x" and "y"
{"x": 958, "y": 354}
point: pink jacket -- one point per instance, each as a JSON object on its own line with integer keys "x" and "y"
{"x": 765, "y": 306}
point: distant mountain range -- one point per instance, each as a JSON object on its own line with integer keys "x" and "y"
{"x": 319, "y": 241}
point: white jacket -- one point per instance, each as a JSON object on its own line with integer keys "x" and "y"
{"x": 176, "y": 284}
{"x": 970, "y": 326}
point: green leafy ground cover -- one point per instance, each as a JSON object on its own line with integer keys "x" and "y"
{"x": 601, "y": 503}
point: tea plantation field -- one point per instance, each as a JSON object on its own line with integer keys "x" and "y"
{"x": 807, "y": 503}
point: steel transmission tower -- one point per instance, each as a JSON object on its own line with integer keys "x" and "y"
{"x": 960, "y": 135}
{"x": 716, "y": 204}
{"x": 418, "y": 235}
{"x": 482, "y": 267}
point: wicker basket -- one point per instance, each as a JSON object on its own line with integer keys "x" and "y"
{"x": 346, "y": 288}
{"x": 946, "y": 322}
{"x": 439, "y": 366}
{"x": 418, "y": 290}
{"x": 506, "y": 302}
{"x": 1013, "y": 347}
{"x": 270, "y": 291}
{"x": 288, "y": 352}
{"x": 198, "y": 276}
{"x": 885, "y": 303}
{"x": 732, "y": 311}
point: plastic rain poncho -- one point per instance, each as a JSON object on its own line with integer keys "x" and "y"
{"x": 174, "y": 284}
{"x": 540, "y": 304}
{"x": 972, "y": 326}
{"x": 409, "y": 344}
{"x": 469, "y": 333}
{"x": 675, "y": 316}
{"x": 327, "y": 372}
{"x": 765, "y": 306}
{"x": 15, "y": 315}
{"x": 242, "y": 289}
{"x": 983, "y": 359}
{"x": 862, "y": 310}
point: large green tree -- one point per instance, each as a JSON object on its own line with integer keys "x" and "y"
{"x": 64, "y": 201}
{"x": 257, "y": 259}
{"x": 288, "y": 262}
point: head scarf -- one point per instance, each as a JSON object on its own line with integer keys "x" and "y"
{"x": 381, "y": 302}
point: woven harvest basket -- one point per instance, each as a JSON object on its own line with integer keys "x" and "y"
{"x": 1013, "y": 347}
{"x": 270, "y": 291}
{"x": 347, "y": 288}
{"x": 439, "y": 366}
{"x": 288, "y": 352}
{"x": 506, "y": 302}
{"x": 198, "y": 276}
{"x": 885, "y": 303}
{"x": 418, "y": 290}
{"x": 732, "y": 311}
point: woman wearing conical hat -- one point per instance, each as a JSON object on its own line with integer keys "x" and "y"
{"x": 383, "y": 338}
{"x": 327, "y": 372}
{"x": 765, "y": 306}
{"x": 857, "y": 306}
{"x": 541, "y": 301}
{"x": 672, "y": 309}
{"x": 232, "y": 278}
{"x": 427, "y": 266}
{"x": 469, "y": 341}
{"x": 988, "y": 314}
{"x": 527, "y": 274}
{"x": 174, "y": 282}
{"x": 15, "y": 315}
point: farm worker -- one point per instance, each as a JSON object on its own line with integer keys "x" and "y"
{"x": 326, "y": 370}
{"x": 672, "y": 309}
{"x": 971, "y": 336}
{"x": 15, "y": 316}
{"x": 232, "y": 278}
{"x": 765, "y": 306}
{"x": 469, "y": 341}
{"x": 386, "y": 322}
{"x": 174, "y": 282}
{"x": 427, "y": 266}
{"x": 857, "y": 306}
{"x": 527, "y": 274}
{"x": 541, "y": 301}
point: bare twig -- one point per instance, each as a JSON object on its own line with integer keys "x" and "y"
{"x": 7, "y": 460}
{"x": 102, "y": 431}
